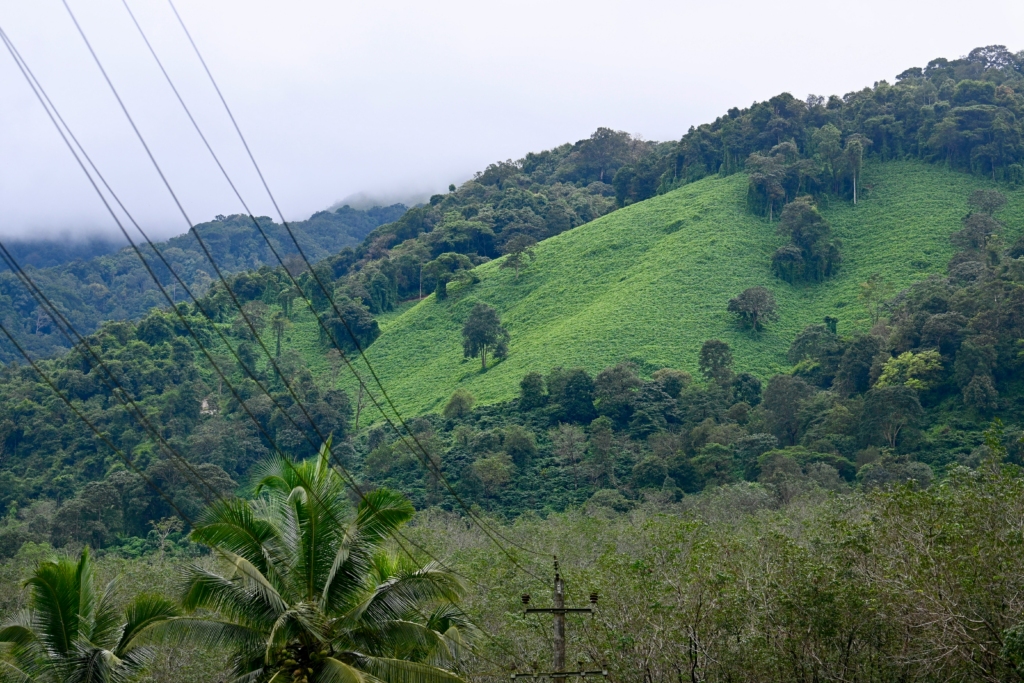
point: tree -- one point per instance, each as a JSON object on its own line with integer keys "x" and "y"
{"x": 600, "y": 463}
{"x": 875, "y": 294}
{"x": 279, "y": 323}
{"x": 915, "y": 370}
{"x": 569, "y": 443}
{"x": 459, "y": 404}
{"x": 828, "y": 151}
{"x": 854, "y": 157}
{"x": 71, "y": 633}
{"x": 614, "y": 389}
{"x": 494, "y": 471}
{"x": 482, "y": 332}
{"x": 518, "y": 442}
{"x": 754, "y": 306}
{"x": 574, "y": 390}
{"x": 286, "y": 297}
{"x": 767, "y": 174}
{"x": 164, "y": 528}
{"x": 531, "y": 391}
{"x": 812, "y": 254}
{"x": 987, "y": 201}
{"x": 853, "y": 375}
{"x": 444, "y": 269}
{"x": 889, "y": 410}
{"x": 715, "y": 361}
{"x": 355, "y": 326}
{"x": 316, "y": 593}
{"x": 517, "y": 250}
{"x": 782, "y": 399}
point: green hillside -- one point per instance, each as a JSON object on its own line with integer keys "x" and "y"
{"x": 650, "y": 282}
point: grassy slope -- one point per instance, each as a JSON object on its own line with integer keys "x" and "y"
{"x": 651, "y": 282}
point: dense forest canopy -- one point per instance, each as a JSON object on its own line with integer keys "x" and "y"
{"x": 54, "y": 251}
{"x": 853, "y": 515}
{"x": 116, "y": 286}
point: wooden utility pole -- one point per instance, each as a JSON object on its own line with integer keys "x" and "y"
{"x": 558, "y": 610}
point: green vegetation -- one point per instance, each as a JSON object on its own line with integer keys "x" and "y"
{"x": 652, "y": 281}
{"x": 747, "y": 583}
{"x": 314, "y": 593}
{"x": 117, "y": 287}
{"x": 73, "y": 632}
{"x": 850, "y": 306}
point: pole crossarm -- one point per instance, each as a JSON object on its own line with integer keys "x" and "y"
{"x": 559, "y": 610}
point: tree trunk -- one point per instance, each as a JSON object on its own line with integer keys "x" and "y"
{"x": 483, "y": 358}
{"x": 855, "y": 188}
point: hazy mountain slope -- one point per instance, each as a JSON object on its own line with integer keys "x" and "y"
{"x": 117, "y": 287}
{"x": 651, "y": 282}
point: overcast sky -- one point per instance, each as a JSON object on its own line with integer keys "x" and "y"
{"x": 401, "y": 98}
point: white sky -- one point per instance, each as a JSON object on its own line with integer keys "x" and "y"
{"x": 404, "y": 97}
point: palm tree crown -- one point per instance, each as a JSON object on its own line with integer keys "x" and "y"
{"x": 71, "y": 634}
{"x": 314, "y": 592}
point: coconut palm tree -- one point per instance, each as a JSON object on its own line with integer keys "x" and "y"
{"x": 71, "y": 634}
{"x": 314, "y": 592}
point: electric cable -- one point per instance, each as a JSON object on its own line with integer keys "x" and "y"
{"x": 156, "y": 280}
{"x": 41, "y": 94}
{"x": 49, "y": 382}
{"x": 117, "y": 390}
{"x": 426, "y": 460}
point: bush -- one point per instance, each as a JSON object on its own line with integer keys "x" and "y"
{"x": 459, "y": 404}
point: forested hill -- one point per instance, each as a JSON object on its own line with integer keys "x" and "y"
{"x": 116, "y": 286}
{"x": 965, "y": 114}
{"x": 57, "y": 250}
{"x": 846, "y": 275}
{"x": 651, "y": 282}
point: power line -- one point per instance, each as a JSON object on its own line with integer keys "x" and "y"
{"x": 91, "y": 426}
{"x": 426, "y": 460}
{"x": 117, "y": 390}
{"x": 44, "y": 100}
{"x": 41, "y": 95}
{"x": 209, "y": 256}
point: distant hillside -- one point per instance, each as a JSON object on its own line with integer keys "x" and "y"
{"x": 651, "y": 282}
{"x": 57, "y": 250}
{"x": 116, "y": 286}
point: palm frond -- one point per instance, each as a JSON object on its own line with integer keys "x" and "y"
{"x": 55, "y": 601}
{"x": 143, "y": 613}
{"x": 87, "y": 598}
{"x": 400, "y": 671}
{"x": 382, "y": 512}
{"x": 302, "y": 622}
{"x": 341, "y": 556}
{"x": 335, "y": 671}
{"x": 19, "y": 630}
{"x": 231, "y": 526}
{"x": 399, "y": 639}
{"x": 253, "y": 580}
{"x": 209, "y": 590}
{"x": 409, "y": 593}
{"x": 11, "y": 673}
{"x": 178, "y": 631}
{"x": 104, "y": 629}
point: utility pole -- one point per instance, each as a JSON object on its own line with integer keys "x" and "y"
{"x": 558, "y": 610}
